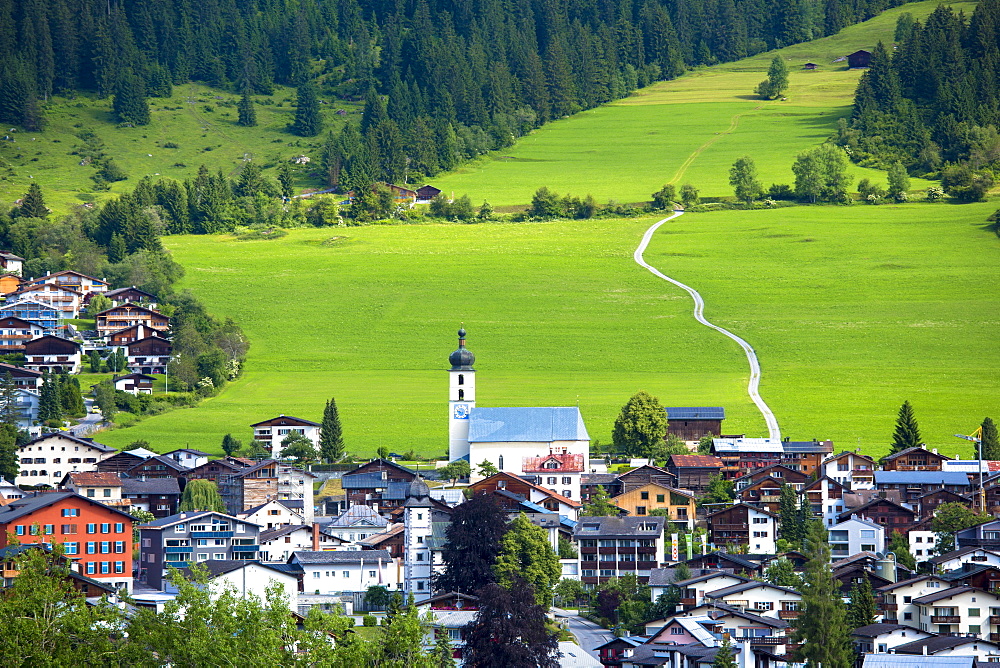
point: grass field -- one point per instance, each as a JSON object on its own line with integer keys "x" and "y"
{"x": 689, "y": 130}
{"x": 558, "y": 314}
{"x": 199, "y": 120}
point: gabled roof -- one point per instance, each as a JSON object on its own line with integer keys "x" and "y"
{"x": 190, "y": 516}
{"x": 955, "y": 554}
{"x": 135, "y": 486}
{"x": 725, "y": 556}
{"x": 134, "y": 307}
{"x": 111, "y": 294}
{"x": 23, "y": 323}
{"x": 341, "y": 556}
{"x": 695, "y": 461}
{"x": 35, "y": 302}
{"x": 746, "y": 505}
{"x": 699, "y": 413}
{"x": 18, "y": 371}
{"x": 908, "y": 451}
{"x": 625, "y": 527}
{"x": 161, "y": 459}
{"x": 860, "y": 520}
{"x": 531, "y": 425}
{"x": 906, "y": 583}
{"x": 288, "y": 419}
{"x": 860, "y": 509}
{"x": 94, "y": 479}
{"x": 358, "y": 515}
{"x": 132, "y": 376}
{"x": 90, "y": 443}
{"x": 921, "y": 478}
{"x": 770, "y": 469}
{"x": 279, "y": 532}
{"x": 217, "y": 567}
{"x": 821, "y": 479}
{"x": 33, "y": 287}
{"x": 538, "y": 488}
{"x": 716, "y": 607}
{"x": 938, "y": 643}
{"x": 847, "y": 453}
{"x": 43, "y": 341}
{"x": 379, "y": 538}
{"x": 745, "y": 586}
{"x": 875, "y": 630}
{"x": 950, "y": 593}
{"x": 192, "y": 451}
{"x": 703, "y": 578}
{"x": 68, "y": 272}
{"x": 27, "y": 505}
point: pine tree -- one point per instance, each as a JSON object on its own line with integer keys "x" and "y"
{"x": 821, "y": 626}
{"x": 725, "y": 656}
{"x": 230, "y": 445}
{"x": 790, "y": 527}
{"x": 331, "y": 436}
{"x": 286, "y": 180}
{"x": 907, "y": 432}
{"x": 247, "y": 112}
{"x": 990, "y": 443}
{"x": 33, "y": 203}
{"x": 308, "y": 122}
{"x": 10, "y": 414}
{"x": 116, "y": 249}
{"x": 9, "y": 462}
{"x": 441, "y": 655}
{"x": 861, "y": 611}
{"x": 129, "y": 103}
{"x": 49, "y": 408}
{"x": 600, "y": 505}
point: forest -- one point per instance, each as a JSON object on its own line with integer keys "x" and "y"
{"x": 933, "y": 102}
{"x": 486, "y": 72}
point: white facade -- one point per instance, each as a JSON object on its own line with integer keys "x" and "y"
{"x": 882, "y": 643}
{"x": 27, "y": 408}
{"x": 271, "y": 515}
{"x": 59, "y": 363}
{"x": 761, "y": 599}
{"x": 45, "y": 460}
{"x": 855, "y": 535}
{"x": 461, "y": 401}
{"x": 953, "y": 560}
{"x": 418, "y": 558}
{"x": 189, "y": 458}
{"x": 252, "y": 580}
{"x": 66, "y": 300}
{"x": 696, "y": 588}
{"x": 298, "y": 539}
{"x": 968, "y": 610}
{"x": 903, "y": 593}
{"x": 273, "y": 434}
{"x": 355, "y": 573}
{"x": 922, "y": 544}
{"x": 295, "y": 484}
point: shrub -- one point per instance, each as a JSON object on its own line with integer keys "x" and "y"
{"x": 369, "y": 620}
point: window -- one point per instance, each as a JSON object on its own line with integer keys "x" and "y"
{"x": 644, "y": 496}
{"x": 119, "y": 567}
{"x": 105, "y": 547}
{"x": 867, "y": 548}
{"x": 91, "y": 569}
{"x": 568, "y": 493}
{"x": 420, "y": 583}
{"x": 760, "y": 534}
{"x": 106, "y": 527}
{"x": 105, "y": 567}
{"x": 50, "y": 529}
{"x": 567, "y": 480}
{"x": 551, "y": 480}
{"x": 119, "y": 547}
{"x": 764, "y": 605}
{"x": 626, "y": 542}
{"x": 640, "y": 510}
{"x": 72, "y": 548}
{"x": 907, "y": 616}
{"x": 19, "y": 529}
{"x": 762, "y": 520}
{"x": 91, "y": 548}
{"x": 107, "y": 491}
{"x": 91, "y": 528}
{"x": 202, "y": 556}
{"x": 70, "y": 512}
{"x": 975, "y": 628}
{"x": 180, "y": 528}
{"x": 868, "y": 533}
{"x": 68, "y": 529}
{"x": 420, "y": 556}
{"x": 607, "y": 543}
{"x": 660, "y": 498}
{"x": 119, "y": 527}
{"x": 676, "y": 631}
{"x": 606, "y": 573}
{"x": 347, "y": 574}
{"x": 608, "y": 557}
{"x": 918, "y": 539}
{"x": 974, "y": 612}
{"x": 316, "y": 574}
{"x": 90, "y": 493}
{"x": 219, "y": 556}
{"x": 907, "y": 599}
{"x": 589, "y": 573}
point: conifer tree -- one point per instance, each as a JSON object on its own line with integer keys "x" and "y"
{"x": 33, "y": 203}
{"x": 129, "y": 102}
{"x": 246, "y": 111}
{"x": 790, "y": 526}
{"x": 285, "y": 180}
{"x": 600, "y": 505}
{"x": 49, "y": 407}
{"x": 907, "y": 432}
{"x": 725, "y": 656}
{"x": 10, "y": 414}
{"x": 990, "y": 443}
{"x": 821, "y": 626}
{"x": 308, "y": 122}
{"x": 861, "y": 611}
{"x": 116, "y": 249}
{"x": 230, "y": 445}
{"x": 9, "y": 462}
{"x": 331, "y": 436}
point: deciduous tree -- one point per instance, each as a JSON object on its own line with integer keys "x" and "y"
{"x": 230, "y": 445}
{"x": 299, "y": 446}
{"x": 743, "y": 178}
{"x": 641, "y": 425}
{"x": 900, "y": 546}
{"x": 600, "y": 505}
{"x": 951, "y": 517}
{"x": 201, "y": 495}
{"x": 526, "y": 554}
{"x": 776, "y": 82}
{"x": 473, "y": 541}
{"x": 509, "y": 630}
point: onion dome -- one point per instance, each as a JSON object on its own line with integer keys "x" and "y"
{"x": 462, "y": 359}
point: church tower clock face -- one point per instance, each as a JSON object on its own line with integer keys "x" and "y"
{"x": 461, "y": 411}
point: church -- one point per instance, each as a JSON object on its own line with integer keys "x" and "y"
{"x": 545, "y": 445}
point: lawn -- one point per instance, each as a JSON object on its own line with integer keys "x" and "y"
{"x": 689, "y": 130}
{"x": 849, "y": 317}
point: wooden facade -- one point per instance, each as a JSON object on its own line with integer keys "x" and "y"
{"x": 693, "y": 472}
{"x": 691, "y": 424}
{"x": 123, "y": 337}
{"x": 117, "y": 318}
{"x": 914, "y": 459}
{"x": 679, "y": 505}
{"x": 15, "y": 332}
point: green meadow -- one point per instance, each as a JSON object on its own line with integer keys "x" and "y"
{"x": 196, "y": 126}
{"x": 689, "y": 130}
{"x": 851, "y": 310}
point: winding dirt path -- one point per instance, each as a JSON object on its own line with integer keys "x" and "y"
{"x": 733, "y": 124}
{"x": 699, "y": 315}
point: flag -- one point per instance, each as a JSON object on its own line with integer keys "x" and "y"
{"x": 690, "y": 546}
{"x": 674, "y": 548}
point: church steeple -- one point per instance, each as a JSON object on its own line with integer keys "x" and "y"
{"x": 461, "y": 398}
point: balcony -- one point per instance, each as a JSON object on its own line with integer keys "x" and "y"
{"x": 211, "y": 534}
{"x": 994, "y": 619}
{"x": 730, "y": 527}
{"x": 245, "y": 548}
{"x": 763, "y": 640}
{"x": 689, "y": 602}
{"x": 788, "y": 614}
{"x": 890, "y": 607}
{"x": 176, "y": 550}
{"x": 946, "y": 619}
{"x": 995, "y": 637}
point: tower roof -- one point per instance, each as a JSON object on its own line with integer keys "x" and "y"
{"x": 462, "y": 359}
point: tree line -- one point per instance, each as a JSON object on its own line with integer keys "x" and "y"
{"x": 450, "y": 73}
{"x": 933, "y": 103}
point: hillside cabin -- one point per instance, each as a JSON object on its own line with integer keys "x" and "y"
{"x": 132, "y": 294}
{"x": 690, "y": 424}
{"x": 15, "y": 332}
{"x": 73, "y": 280}
{"x": 119, "y": 317}
{"x": 427, "y": 193}
{"x": 134, "y": 383}
{"x": 52, "y": 353}
{"x": 11, "y": 263}
{"x": 810, "y": 66}
{"x": 860, "y": 58}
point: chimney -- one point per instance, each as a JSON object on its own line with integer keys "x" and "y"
{"x": 934, "y": 450}
{"x": 924, "y": 648}
{"x": 315, "y": 532}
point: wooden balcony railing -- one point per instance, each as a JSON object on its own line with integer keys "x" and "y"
{"x": 946, "y": 619}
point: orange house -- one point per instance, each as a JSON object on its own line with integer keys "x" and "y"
{"x": 97, "y": 538}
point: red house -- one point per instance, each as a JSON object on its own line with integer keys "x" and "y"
{"x": 97, "y": 538}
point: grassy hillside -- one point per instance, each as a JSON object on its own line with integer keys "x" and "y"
{"x": 689, "y": 130}
{"x": 199, "y": 120}
{"x": 558, "y": 314}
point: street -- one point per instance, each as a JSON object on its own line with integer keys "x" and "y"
{"x": 588, "y": 634}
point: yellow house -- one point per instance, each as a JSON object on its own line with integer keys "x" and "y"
{"x": 679, "y": 505}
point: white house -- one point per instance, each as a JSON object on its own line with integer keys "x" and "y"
{"x": 949, "y": 651}
{"x": 855, "y": 535}
{"x": 922, "y": 543}
{"x": 356, "y": 523}
{"x": 248, "y": 579}
{"x": 46, "y": 459}
{"x": 897, "y": 598}
{"x": 693, "y": 590}
{"x": 760, "y": 598}
{"x": 272, "y": 514}
{"x": 52, "y": 353}
{"x": 9, "y": 490}
{"x": 188, "y": 457}
{"x": 959, "y": 610}
{"x": 345, "y": 571}
{"x": 272, "y": 432}
{"x": 851, "y": 469}
{"x": 825, "y": 497}
{"x": 134, "y": 383}
{"x": 73, "y": 279}
{"x": 67, "y": 300}
{"x": 880, "y": 638}
{"x": 278, "y": 544}
{"x": 955, "y": 559}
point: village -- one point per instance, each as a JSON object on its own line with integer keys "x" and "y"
{"x": 706, "y": 534}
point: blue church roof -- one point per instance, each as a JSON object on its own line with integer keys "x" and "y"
{"x": 539, "y": 425}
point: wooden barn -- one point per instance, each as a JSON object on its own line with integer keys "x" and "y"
{"x": 860, "y": 58}
{"x": 690, "y": 424}
{"x": 810, "y": 66}
{"x": 426, "y": 193}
